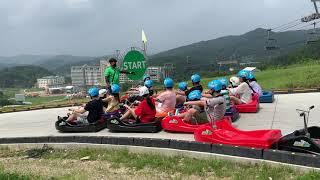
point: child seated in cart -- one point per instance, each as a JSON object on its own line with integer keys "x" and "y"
{"x": 167, "y": 99}
{"x": 243, "y": 93}
{"x": 216, "y": 106}
{"x": 94, "y": 107}
{"x": 256, "y": 88}
{"x": 145, "y": 112}
{"x": 181, "y": 97}
{"x": 113, "y": 100}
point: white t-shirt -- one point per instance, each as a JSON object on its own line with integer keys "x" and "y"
{"x": 256, "y": 87}
{"x": 216, "y": 107}
{"x": 244, "y": 91}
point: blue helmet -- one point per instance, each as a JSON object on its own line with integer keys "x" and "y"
{"x": 93, "y": 92}
{"x": 183, "y": 86}
{"x": 194, "y": 95}
{"x": 250, "y": 75}
{"x": 243, "y": 74}
{"x": 146, "y": 77}
{"x": 224, "y": 82}
{"x": 115, "y": 89}
{"x": 168, "y": 83}
{"x": 195, "y": 78}
{"x": 215, "y": 85}
{"x": 148, "y": 83}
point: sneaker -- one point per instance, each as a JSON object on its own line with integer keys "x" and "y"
{"x": 62, "y": 123}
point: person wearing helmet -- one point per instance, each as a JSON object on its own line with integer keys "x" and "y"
{"x": 146, "y": 82}
{"x": 113, "y": 100}
{"x": 180, "y": 94}
{"x": 167, "y": 99}
{"x": 256, "y": 88}
{"x": 243, "y": 93}
{"x": 112, "y": 73}
{"x": 196, "y": 86}
{"x": 216, "y": 106}
{"x": 149, "y": 85}
{"x": 102, "y": 95}
{"x": 225, "y": 92}
{"x": 94, "y": 107}
{"x": 145, "y": 111}
{"x": 234, "y": 81}
{"x": 146, "y": 77}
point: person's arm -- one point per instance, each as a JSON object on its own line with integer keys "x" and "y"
{"x": 233, "y": 91}
{"x": 126, "y": 72}
{"x": 107, "y": 99}
{"x": 180, "y": 92}
{"x": 207, "y": 95}
{"x": 80, "y": 110}
{"x": 198, "y": 103}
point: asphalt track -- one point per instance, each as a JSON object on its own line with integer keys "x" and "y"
{"x": 279, "y": 115}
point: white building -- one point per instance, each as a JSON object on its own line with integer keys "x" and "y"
{"x": 50, "y": 81}
{"x": 86, "y": 75}
{"x": 155, "y": 72}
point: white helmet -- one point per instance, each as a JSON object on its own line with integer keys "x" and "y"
{"x": 102, "y": 92}
{"x": 143, "y": 91}
{"x": 235, "y": 81}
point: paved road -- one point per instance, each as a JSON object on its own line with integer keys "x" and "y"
{"x": 279, "y": 115}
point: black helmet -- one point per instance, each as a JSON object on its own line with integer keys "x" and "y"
{"x": 112, "y": 60}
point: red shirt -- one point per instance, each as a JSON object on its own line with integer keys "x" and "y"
{"x": 144, "y": 112}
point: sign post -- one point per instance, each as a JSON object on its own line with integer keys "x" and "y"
{"x": 135, "y": 61}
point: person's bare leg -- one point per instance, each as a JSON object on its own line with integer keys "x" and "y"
{"x": 235, "y": 100}
{"x": 72, "y": 117}
{"x": 126, "y": 115}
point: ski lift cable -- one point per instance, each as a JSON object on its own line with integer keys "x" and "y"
{"x": 289, "y": 27}
{"x": 312, "y": 24}
{"x": 286, "y": 24}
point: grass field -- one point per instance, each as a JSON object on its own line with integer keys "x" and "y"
{"x": 49, "y": 163}
{"x": 45, "y": 99}
{"x": 295, "y": 76}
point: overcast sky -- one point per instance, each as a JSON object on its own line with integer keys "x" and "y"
{"x": 99, "y": 27}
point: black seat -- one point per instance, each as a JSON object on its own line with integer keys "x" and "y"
{"x": 116, "y": 125}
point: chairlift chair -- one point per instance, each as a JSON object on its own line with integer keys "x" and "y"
{"x": 313, "y": 36}
{"x": 271, "y": 43}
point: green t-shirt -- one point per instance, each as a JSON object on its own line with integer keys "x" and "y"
{"x": 113, "y": 74}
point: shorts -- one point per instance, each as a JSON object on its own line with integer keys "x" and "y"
{"x": 199, "y": 118}
{"x": 82, "y": 120}
{"x": 196, "y": 107}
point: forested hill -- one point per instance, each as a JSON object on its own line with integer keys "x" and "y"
{"x": 246, "y": 46}
{"x": 21, "y": 76}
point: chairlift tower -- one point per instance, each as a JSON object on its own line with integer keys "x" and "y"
{"x": 315, "y": 5}
{"x": 313, "y": 16}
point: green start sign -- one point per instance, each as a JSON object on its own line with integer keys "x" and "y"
{"x": 135, "y": 61}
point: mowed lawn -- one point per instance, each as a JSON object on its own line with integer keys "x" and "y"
{"x": 296, "y": 76}
{"x": 99, "y": 163}
{"x": 45, "y": 99}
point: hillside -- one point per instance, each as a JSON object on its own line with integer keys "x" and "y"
{"x": 248, "y": 46}
{"x": 58, "y": 61}
{"x": 50, "y": 62}
{"x": 21, "y": 76}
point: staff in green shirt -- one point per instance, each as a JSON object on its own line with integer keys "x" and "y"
{"x": 112, "y": 73}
